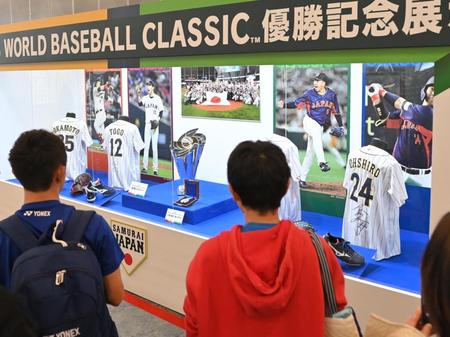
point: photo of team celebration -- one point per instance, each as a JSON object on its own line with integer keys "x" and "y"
{"x": 231, "y": 92}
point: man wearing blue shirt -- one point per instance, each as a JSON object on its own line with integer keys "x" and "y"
{"x": 38, "y": 160}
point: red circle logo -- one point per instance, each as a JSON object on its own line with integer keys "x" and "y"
{"x": 128, "y": 259}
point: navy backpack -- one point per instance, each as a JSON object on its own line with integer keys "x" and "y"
{"x": 58, "y": 281}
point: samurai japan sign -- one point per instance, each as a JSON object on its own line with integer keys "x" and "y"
{"x": 133, "y": 241}
{"x": 284, "y": 25}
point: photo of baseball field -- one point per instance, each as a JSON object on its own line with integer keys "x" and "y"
{"x": 398, "y": 109}
{"x": 103, "y": 100}
{"x": 228, "y": 92}
{"x": 150, "y": 109}
{"x": 312, "y": 109}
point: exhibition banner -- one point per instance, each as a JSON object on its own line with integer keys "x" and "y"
{"x": 262, "y": 26}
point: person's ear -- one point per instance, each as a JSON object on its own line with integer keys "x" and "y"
{"x": 234, "y": 194}
{"x": 60, "y": 174}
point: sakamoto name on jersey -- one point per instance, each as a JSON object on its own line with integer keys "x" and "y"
{"x": 66, "y": 128}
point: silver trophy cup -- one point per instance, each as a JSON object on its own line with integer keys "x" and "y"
{"x": 186, "y": 153}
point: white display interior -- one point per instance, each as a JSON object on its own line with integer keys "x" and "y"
{"x": 33, "y": 100}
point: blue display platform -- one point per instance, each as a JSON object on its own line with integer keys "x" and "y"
{"x": 215, "y": 199}
{"x": 399, "y": 272}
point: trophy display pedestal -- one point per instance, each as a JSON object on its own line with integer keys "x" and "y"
{"x": 214, "y": 200}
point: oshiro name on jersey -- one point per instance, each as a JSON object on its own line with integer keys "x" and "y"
{"x": 365, "y": 165}
{"x": 66, "y": 128}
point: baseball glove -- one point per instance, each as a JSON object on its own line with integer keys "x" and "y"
{"x": 337, "y": 131}
{"x": 154, "y": 124}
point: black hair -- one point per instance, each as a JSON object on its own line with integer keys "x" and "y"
{"x": 435, "y": 273}
{"x": 35, "y": 157}
{"x": 258, "y": 172}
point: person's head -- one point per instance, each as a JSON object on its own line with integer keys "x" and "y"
{"x": 38, "y": 160}
{"x": 427, "y": 92}
{"x": 258, "y": 175}
{"x": 436, "y": 277}
{"x": 320, "y": 81}
{"x": 150, "y": 86}
{"x": 98, "y": 82}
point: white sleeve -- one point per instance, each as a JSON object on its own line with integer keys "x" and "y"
{"x": 86, "y": 137}
{"x": 347, "y": 175}
{"x": 137, "y": 140}
{"x": 296, "y": 167}
{"x": 397, "y": 188}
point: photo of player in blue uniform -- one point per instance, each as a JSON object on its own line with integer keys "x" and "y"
{"x": 319, "y": 103}
{"x": 413, "y": 121}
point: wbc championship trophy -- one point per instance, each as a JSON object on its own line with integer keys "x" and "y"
{"x": 186, "y": 153}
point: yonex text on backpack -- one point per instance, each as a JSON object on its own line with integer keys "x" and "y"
{"x": 59, "y": 282}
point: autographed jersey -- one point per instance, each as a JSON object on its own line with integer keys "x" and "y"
{"x": 153, "y": 106}
{"x": 99, "y": 99}
{"x": 414, "y": 142}
{"x": 123, "y": 143}
{"x": 75, "y": 135}
{"x": 375, "y": 191}
{"x": 319, "y": 107}
{"x": 290, "y": 208}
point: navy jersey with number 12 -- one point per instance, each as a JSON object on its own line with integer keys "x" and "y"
{"x": 375, "y": 191}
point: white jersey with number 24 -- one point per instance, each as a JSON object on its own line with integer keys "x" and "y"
{"x": 375, "y": 192}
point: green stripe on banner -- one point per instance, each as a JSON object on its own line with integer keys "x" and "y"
{"x": 442, "y": 77}
{"x": 178, "y": 5}
{"x": 430, "y": 54}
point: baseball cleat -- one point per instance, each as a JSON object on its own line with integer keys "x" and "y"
{"x": 324, "y": 167}
{"x": 344, "y": 251}
{"x": 303, "y": 184}
{"x": 91, "y": 193}
{"x": 155, "y": 172}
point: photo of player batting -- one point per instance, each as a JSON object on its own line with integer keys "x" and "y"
{"x": 231, "y": 92}
{"x": 311, "y": 105}
{"x": 103, "y": 101}
{"x": 399, "y": 110}
{"x": 150, "y": 108}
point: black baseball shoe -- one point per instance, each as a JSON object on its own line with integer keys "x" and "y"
{"x": 155, "y": 172}
{"x": 91, "y": 193}
{"x": 344, "y": 251}
{"x": 303, "y": 184}
{"x": 98, "y": 187}
{"x": 324, "y": 167}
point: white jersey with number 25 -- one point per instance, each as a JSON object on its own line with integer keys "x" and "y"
{"x": 76, "y": 138}
{"x": 375, "y": 191}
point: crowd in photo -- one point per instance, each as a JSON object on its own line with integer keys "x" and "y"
{"x": 240, "y": 91}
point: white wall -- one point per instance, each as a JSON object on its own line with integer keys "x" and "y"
{"x": 35, "y": 99}
{"x": 223, "y": 135}
{"x": 356, "y": 103}
{"x": 440, "y": 204}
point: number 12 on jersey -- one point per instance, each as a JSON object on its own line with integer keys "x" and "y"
{"x": 117, "y": 144}
{"x": 364, "y": 192}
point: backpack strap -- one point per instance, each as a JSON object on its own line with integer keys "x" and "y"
{"x": 17, "y": 231}
{"x": 76, "y": 226}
